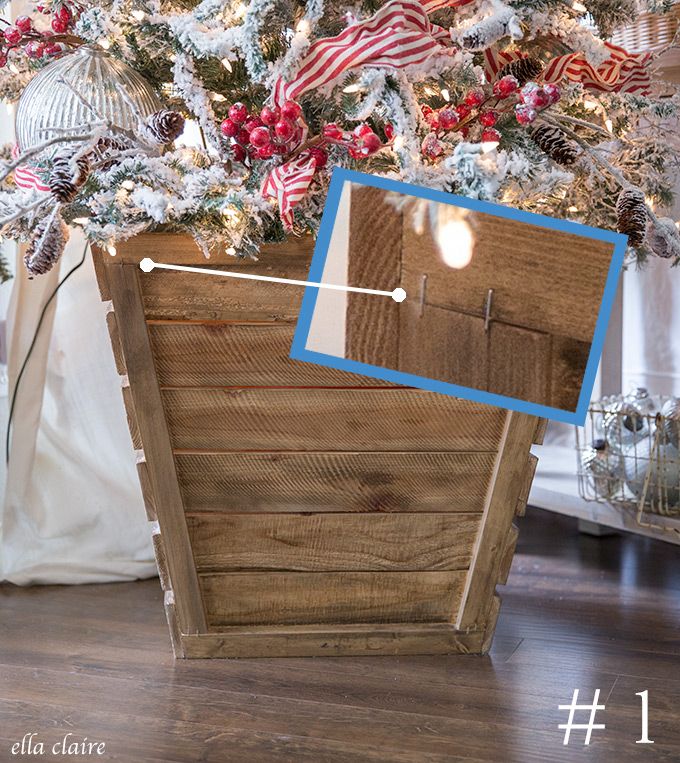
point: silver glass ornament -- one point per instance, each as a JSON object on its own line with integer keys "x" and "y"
{"x": 662, "y": 462}
{"x": 602, "y": 468}
{"x": 670, "y": 423}
{"x": 48, "y": 105}
{"x": 624, "y": 424}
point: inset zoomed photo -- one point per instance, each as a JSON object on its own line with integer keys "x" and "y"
{"x": 501, "y": 306}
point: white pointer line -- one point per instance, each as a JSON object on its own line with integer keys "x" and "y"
{"x": 147, "y": 265}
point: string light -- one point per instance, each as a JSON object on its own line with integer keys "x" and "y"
{"x": 354, "y": 88}
{"x": 230, "y": 250}
{"x": 111, "y": 249}
{"x": 104, "y": 43}
{"x": 446, "y": 95}
{"x": 579, "y": 7}
{"x": 609, "y": 125}
{"x": 398, "y": 142}
{"x": 128, "y": 185}
{"x": 13, "y": 68}
{"x": 454, "y": 238}
{"x": 227, "y": 64}
{"x": 573, "y": 209}
{"x": 489, "y": 145}
{"x": 303, "y": 27}
{"x": 80, "y": 220}
{"x": 139, "y": 15}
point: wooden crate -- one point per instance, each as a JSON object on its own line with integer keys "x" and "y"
{"x": 300, "y": 510}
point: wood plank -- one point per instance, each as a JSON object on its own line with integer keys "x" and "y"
{"x": 114, "y": 336}
{"x": 542, "y": 279}
{"x": 332, "y": 542}
{"x": 235, "y": 355}
{"x": 183, "y": 296}
{"x": 328, "y": 419}
{"x": 485, "y": 568}
{"x": 443, "y": 344}
{"x": 336, "y": 640}
{"x": 374, "y": 262}
{"x": 293, "y": 598}
{"x": 125, "y": 293}
{"x": 147, "y": 490}
{"x": 519, "y": 363}
{"x": 367, "y": 482}
{"x": 525, "y": 487}
{"x": 569, "y": 359}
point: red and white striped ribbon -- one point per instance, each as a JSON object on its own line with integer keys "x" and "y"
{"x": 622, "y": 72}
{"x": 398, "y": 35}
{"x": 288, "y": 184}
{"x": 25, "y": 177}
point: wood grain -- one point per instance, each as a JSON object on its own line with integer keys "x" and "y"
{"x": 188, "y": 296}
{"x": 374, "y": 262}
{"x": 519, "y": 363}
{"x": 317, "y": 641}
{"x": 365, "y": 482}
{"x": 292, "y": 598}
{"x": 328, "y": 419}
{"x": 145, "y": 395}
{"x": 508, "y": 480}
{"x": 332, "y": 542}
{"x": 542, "y": 279}
{"x": 569, "y": 360}
{"x": 443, "y": 344}
{"x": 238, "y": 355}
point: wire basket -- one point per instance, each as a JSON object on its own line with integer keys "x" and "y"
{"x": 628, "y": 456}
{"x": 649, "y": 31}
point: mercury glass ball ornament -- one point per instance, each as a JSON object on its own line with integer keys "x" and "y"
{"x": 47, "y": 104}
{"x": 670, "y": 423}
{"x": 624, "y": 424}
{"x": 603, "y": 469}
{"x": 664, "y": 465}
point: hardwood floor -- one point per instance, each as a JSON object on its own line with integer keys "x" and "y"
{"x": 578, "y": 613}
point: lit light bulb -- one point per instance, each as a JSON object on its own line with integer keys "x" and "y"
{"x": 573, "y": 209}
{"x": 80, "y": 220}
{"x": 398, "y": 142}
{"x": 128, "y": 185}
{"x": 445, "y": 94}
{"x": 455, "y": 243}
{"x": 489, "y": 145}
{"x": 139, "y": 15}
{"x": 609, "y": 125}
{"x": 231, "y": 251}
{"x": 111, "y": 249}
{"x": 227, "y": 64}
{"x": 104, "y": 43}
{"x": 303, "y": 27}
{"x": 351, "y": 88}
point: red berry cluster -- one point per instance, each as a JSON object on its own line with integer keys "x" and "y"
{"x": 275, "y": 131}
{"x": 534, "y": 98}
{"x": 360, "y": 143}
{"x": 22, "y": 34}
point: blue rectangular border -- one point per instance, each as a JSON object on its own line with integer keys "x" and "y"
{"x": 298, "y": 349}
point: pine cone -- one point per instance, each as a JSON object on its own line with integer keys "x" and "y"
{"x": 67, "y": 175}
{"x": 631, "y": 214}
{"x": 553, "y": 142}
{"x": 164, "y": 126}
{"x": 523, "y": 69}
{"x": 104, "y": 148}
{"x": 47, "y": 245}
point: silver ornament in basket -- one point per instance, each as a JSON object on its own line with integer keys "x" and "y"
{"x": 670, "y": 422}
{"x": 603, "y": 469}
{"x": 658, "y": 464}
{"x": 624, "y": 424}
{"x": 48, "y": 105}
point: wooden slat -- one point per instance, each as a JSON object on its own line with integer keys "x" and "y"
{"x": 114, "y": 336}
{"x": 233, "y": 355}
{"x": 131, "y": 414}
{"x": 569, "y": 359}
{"x": 332, "y": 542}
{"x": 532, "y": 270}
{"x": 328, "y": 419}
{"x": 292, "y": 598}
{"x": 189, "y": 296}
{"x": 541, "y": 427}
{"x": 336, "y": 640}
{"x": 443, "y": 344}
{"x": 372, "y": 333}
{"x": 508, "y": 479}
{"x": 147, "y": 490}
{"x": 507, "y": 555}
{"x": 289, "y": 482}
{"x": 525, "y": 487}
{"x": 153, "y": 432}
{"x": 519, "y": 363}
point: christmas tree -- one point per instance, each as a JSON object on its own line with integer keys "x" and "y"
{"x": 522, "y": 103}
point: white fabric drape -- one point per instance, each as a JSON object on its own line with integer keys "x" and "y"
{"x": 72, "y": 511}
